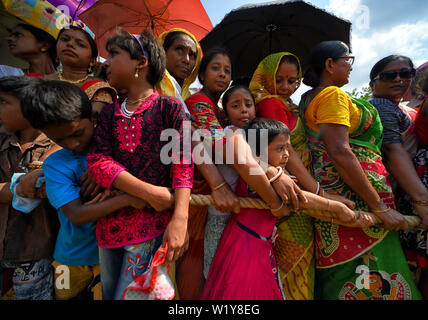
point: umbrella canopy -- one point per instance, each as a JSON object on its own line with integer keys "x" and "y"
{"x": 251, "y": 32}
{"x": 136, "y": 15}
{"x": 38, "y": 13}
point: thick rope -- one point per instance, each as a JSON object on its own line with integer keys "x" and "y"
{"x": 206, "y": 200}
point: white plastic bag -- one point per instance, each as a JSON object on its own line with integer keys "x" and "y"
{"x": 154, "y": 284}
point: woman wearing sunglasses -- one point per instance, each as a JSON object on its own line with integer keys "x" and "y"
{"x": 344, "y": 136}
{"x": 390, "y": 79}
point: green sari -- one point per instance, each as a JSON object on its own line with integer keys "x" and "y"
{"x": 355, "y": 263}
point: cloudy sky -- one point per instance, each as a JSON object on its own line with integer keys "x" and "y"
{"x": 379, "y": 28}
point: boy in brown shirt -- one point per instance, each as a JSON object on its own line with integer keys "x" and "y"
{"x": 26, "y": 240}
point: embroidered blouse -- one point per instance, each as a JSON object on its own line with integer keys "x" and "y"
{"x": 136, "y": 146}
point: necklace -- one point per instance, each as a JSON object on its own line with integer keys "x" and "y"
{"x": 61, "y": 77}
{"x": 126, "y": 113}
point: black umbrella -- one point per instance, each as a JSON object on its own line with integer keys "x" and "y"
{"x": 253, "y": 31}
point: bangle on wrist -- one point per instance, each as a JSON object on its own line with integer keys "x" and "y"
{"x": 282, "y": 204}
{"x": 318, "y": 189}
{"x": 277, "y": 176}
{"x": 420, "y": 202}
{"x": 381, "y": 211}
{"x": 219, "y": 186}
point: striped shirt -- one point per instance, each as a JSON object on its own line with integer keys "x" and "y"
{"x": 395, "y": 122}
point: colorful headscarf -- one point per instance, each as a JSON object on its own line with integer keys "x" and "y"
{"x": 166, "y": 86}
{"x": 263, "y": 83}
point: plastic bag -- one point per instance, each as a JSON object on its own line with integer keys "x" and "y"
{"x": 154, "y": 284}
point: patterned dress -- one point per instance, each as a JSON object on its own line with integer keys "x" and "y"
{"x": 136, "y": 147}
{"x": 355, "y": 263}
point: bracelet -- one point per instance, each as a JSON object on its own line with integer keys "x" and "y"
{"x": 381, "y": 211}
{"x": 219, "y": 186}
{"x": 276, "y": 177}
{"x": 420, "y": 202}
{"x": 282, "y": 204}
{"x": 318, "y": 189}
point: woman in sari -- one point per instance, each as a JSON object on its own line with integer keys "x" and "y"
{"x": 345, "y": 137}
{"x": 183, "y": 56}
{"x": 390, "y": 79}
{"x": 77, "y": 52}
{"x": 276, "y": 78}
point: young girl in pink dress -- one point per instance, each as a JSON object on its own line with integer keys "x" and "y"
{"x": 126, "y": 155}
{"x": 244, "y": 267}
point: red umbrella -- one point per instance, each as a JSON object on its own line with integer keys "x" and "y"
{"x": 136, "y": 15}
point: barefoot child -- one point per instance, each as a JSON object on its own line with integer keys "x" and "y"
{"x": 64, "y": 113}
{"x": 243, "y": 266}
{"x": 125, "y": 154}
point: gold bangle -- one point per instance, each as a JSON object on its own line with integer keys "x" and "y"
{"x": 219, "y": 186}
{"x": 381, "y": 211}
{"x": 423, "y": 203}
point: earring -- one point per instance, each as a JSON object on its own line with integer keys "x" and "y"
{"x": 90, "y": 68}
{"x": 136, "y": 74}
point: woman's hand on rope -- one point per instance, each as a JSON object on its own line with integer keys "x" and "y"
{"x": 392, "y": 219}
{"x": 225, "y": 199}
{"x": 422, "y": 211}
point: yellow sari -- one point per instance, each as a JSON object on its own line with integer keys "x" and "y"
{"x": 294, "y": 247}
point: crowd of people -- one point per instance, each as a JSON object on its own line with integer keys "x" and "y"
{"x": 87, "y": 197}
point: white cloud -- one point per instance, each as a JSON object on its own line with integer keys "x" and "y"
{"x": 405, "y": 39}
{"x": 345, "y": 9}
{"x": 371, "y": 44}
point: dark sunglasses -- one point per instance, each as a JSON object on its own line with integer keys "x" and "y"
{"x": 349, "y": 59}
{"x": 390, "y": 75}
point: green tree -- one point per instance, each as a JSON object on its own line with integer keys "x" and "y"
{"x": 364, "y": 93}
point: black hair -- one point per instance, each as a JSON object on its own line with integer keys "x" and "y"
{"x": 93, "y": 45}
{"x": 171, "y": 37}
{"x": 381, "y": 64}
{"x": 290, "y": 59}
{"x": 206, "y": 59}
{"x": 43, "y": 37}
{"x": 54, "y": 102}
{"x": 155, "y": 52}
{"x": 19, "y": 87}
{"x": 317, "y": 57}
{"x": 261, "y": 125}
{"x": 229, "y": 92}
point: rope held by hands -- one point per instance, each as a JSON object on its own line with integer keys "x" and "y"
{"x": 206, "y": 200}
